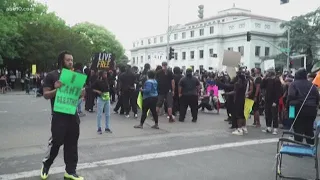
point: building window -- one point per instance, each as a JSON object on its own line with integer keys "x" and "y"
{"x": 266, "y": 51}
{"x": 183, "y": 55}
{"x": 149, "y": 41}
{"x": 134, "y": 60}
{"x": 155, "y": 40}
{"x": 201, "y": 32}
{"x": 175, "y": 56}
{"x": 149, "y": 57}
{"x": 242, "y": 25}
{"x": 211, "y": 52}
{"x": 191, "y": 33}
{"x": 141, "y": 42}
{"x": 201, "y": 54}
{"x": 257, "y": 65}
{"x": 231, "y": 27}
{"x": 267, "y": 26}
{"x": 161, "y": 39}
{"x": 141, "y": 59}
{"x": 211, "y": 30}
{"x": 257, "y": 51}
{"x": 230, "y": 49}
{"x": 183, "y": 35}
{"x": 241, "y": 50}
{"x": 175, "y": 36}
{"x": 134, "y": 44}
{"x": 191, "y": 54}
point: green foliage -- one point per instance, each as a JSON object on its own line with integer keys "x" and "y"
{"x": 305, "y": 35}
{"x": 36, "y": 36}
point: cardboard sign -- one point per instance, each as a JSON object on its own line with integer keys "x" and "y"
{"x": 231, "y": 58}
{"x": 102, "y": 61}
{"x": 67, "y": 96}
{"x": 34, "y": 69}
{"x": 268, "y": 64}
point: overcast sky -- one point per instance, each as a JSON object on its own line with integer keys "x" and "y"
{"x": 130, "y": 20}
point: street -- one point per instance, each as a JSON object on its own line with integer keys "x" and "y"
{"x": 205, "y": 150}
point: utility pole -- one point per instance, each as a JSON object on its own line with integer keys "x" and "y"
{"x": 288, "y": 49}
{"x": 168, "y": 32}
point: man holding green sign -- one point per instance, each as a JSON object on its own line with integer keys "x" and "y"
{"x": 63, "y": 87}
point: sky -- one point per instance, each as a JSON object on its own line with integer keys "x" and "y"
{"x": 131, "y": 20}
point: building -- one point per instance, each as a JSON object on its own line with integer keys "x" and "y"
{"x": 201, "y": 43}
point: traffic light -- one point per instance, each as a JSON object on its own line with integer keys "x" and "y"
{"x": 290, "y": 64}
{"x": 284, "y": 1}
{"x": 171, "y": 53}
{"x": 200, "y": 11}
{"x": 248, "y": 36}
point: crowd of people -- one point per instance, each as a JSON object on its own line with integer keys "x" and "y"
{"x": 174, "y": 91}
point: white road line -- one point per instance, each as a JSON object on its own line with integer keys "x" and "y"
{"x": 3, "y": 111}
{"x": 144, "y": 157}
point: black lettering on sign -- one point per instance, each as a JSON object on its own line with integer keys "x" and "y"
{"x": 73, "y": 78}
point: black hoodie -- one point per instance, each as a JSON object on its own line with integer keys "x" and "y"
{"x": 299, "y": 89}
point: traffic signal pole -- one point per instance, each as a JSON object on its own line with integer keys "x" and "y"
{"x": 288, "y": 50}
{"x": 168, "y": 33}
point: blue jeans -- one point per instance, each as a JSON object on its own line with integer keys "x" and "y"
{"x": 79, "y": 106}
{"x": 103, "y": 105}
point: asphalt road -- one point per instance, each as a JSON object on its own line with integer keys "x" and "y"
{"x": 205, "y": 150}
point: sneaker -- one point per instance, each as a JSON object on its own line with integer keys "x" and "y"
{"x": 99, "y": 131}
{"x": 127, "y": 116}
{"x": 245, "y": 130}
{"x": 194, "y": 120}
{"x": 238, "y": 132}
{"x": 44, "y": 172}
{"x": 275, "y": 131}
{"x": 73, "y": 176}
{"x": 82, "y": 114}
{"x": 115, "y": 112}
{"x": 135, "y": 115}
{"x": 138, "y": 126}
{"x": 267, "y": 130}
{"x": 107, "y": 130}
{"x": 155, "y": 126}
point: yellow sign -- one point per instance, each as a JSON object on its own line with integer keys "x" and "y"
{"x": 104, "y": 60}
{"x": 34, "y": 69}
{"x": 248, "y": 107}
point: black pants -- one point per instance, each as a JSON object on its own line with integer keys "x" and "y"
{"x": 229, "y": 105}
{"x": 176, "y": 104}
{"x": 186, "y": 101}
{"x": 271, "y": 115}
{"x": 149, "y": 103}
{"x": 119, "y": 105}
{"x": 65, "y": 131}
{"x": 112, "y": 94}
{"x": 204, "y": 105}
{"x": 304, "y": 123}
{"x": 129, "y": 100}
{"x": 90, "y": 96}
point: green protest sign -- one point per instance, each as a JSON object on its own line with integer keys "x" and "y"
{"x": 67, "y": 96}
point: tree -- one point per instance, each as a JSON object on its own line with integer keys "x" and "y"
{"x": 36, "y": 37}
{"x": 305, "y": 35}
{"x": 101, "y": 39}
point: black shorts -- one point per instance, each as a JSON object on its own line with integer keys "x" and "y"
{"x": 256, "y": 105}
{"x": 165, "y": 97}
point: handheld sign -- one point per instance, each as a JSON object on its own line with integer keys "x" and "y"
{"x": 102, "y": 61}
{"x": 292, "y": 112}
{"x": 67, "y": 96}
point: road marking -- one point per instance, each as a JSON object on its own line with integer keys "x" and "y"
{"x": 144, "y": 157}
{"x": 5, "y": 102}
{"x": 3, "y": 111}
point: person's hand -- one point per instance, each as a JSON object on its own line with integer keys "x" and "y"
{"x": 140, "y": 89}
{"x": 172, "y": 93}
{"x": 274, "y": 104}
{"x": 99, "y": 92}
{"x": 57, "y": 84}
{"x": 180, "y": 95}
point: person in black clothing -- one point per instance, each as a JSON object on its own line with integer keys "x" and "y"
{"x": 127, "y": 85}
{"x": 111, "y": 81}
{"x": 90, "y": 95}
{"x": 166, "y": 89}
{"x": 255, "y": 96}
{"x": 65, "y": 128}
{"x": 176, "y": 100}
{"x": 188, "y": 92}
{"x": 273, "y": 92}
{"x": 118, "y": 90}
{"x": 298, "y": 90}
